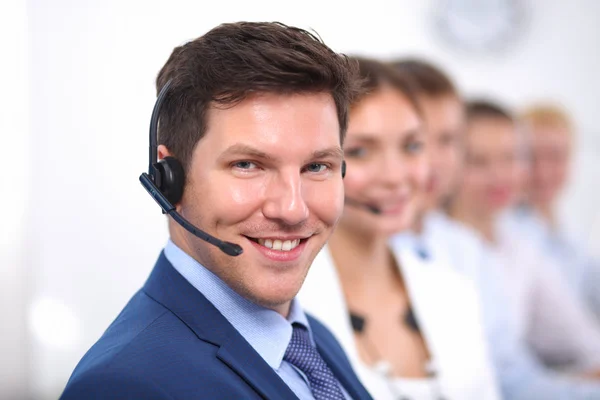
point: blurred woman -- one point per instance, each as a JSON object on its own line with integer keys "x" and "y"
{"x": 411, "y": 329}
{"x": 546, "y": 312}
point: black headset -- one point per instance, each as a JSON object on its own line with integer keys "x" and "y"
{"x": 165, "y": 181}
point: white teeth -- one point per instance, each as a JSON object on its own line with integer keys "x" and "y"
{"x": 281, "y": 245}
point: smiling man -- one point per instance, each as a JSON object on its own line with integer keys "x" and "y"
{"x": 255, "y": 115}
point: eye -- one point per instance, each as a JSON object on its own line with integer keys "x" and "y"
{"x": 476, "y": 161}
{"x": 355, "y": 152}
{"x": 245, "y": 165}
{"x": 447, "y": 140}
{"x": 414, "y": 147}
{"x": 316, "y": 167}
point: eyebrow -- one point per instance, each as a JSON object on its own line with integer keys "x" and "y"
{"x": 245, "y": 150}
{"x": 332, "y": 152}
{"x": 249, "y": 151}
{"x": 415, "y": 131}
{"x": 368, "y": 138}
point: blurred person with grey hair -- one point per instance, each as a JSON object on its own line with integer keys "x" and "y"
{"x": 520, "y": 373}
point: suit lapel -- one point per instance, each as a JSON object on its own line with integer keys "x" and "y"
{"x": 254, "y": 370}
{"x": 173, "y": 291}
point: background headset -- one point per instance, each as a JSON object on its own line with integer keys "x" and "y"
{"x": 165, "y": 181}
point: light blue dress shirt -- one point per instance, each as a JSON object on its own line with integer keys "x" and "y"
{"x": 519, "y": 373}
{"x": 267, "y": 331}
{"x": 581, "y": 271}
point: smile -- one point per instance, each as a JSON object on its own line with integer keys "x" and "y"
{"x": 281, "y": 245}
{"x": 280, "y": 249}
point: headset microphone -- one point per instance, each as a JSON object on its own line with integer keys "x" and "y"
{"x": 165, "y": 181}
{"x": 366, "y": 207}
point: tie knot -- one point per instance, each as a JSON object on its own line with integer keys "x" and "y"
{"x": 300, "y": 352}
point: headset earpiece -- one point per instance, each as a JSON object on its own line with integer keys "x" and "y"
{"x": 343, "y": 169}
{"x": 165, "y": 180}
{"x": 170, "y": 178}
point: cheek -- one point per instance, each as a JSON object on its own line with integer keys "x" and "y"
{"x": 326, "y": 201}
{"x": 235, "y": 200}
{"x": 356, "y": 182}
{"x": 456, "y": 158}
{"x": 559, "y": 171}
{"x": 242, "y": 192}
{"x": 420, "y": 172}
{"x": 562, "y": 175}
{"x": 448, "y": 164}
{"x": 475, "y": 181}
{"x": 537, "y": 172}
{"x": 515, "y": 175}
{"x": 451, "y": 163}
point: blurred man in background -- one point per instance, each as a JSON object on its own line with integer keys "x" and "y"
{"x": 546, "y": 313}
{"x": 520, "y": 374}
{"x": 550, "y": 135}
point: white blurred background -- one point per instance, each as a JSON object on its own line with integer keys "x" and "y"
{"x": 79, "y": 234}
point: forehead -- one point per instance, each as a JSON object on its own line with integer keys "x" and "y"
{"x": 385, "y": 112}
{"x": 551, "y": 135}
{"x": 442, "y": 112}
{"x": 274, "y": 123}
{"x": 491, "y": 135}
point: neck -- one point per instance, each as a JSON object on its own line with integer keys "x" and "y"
{"x": 364, "y": 262}
{"x": 418, "y": 224}
{"x": 429, "y": 204}
{"x": 282, "y": 309}
{"x": 186, "y": 243}
{"x": 546, "y": 211}
{"x": 483, "y": 223}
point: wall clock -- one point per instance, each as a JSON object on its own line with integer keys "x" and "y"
{"x": 480, "y": 26}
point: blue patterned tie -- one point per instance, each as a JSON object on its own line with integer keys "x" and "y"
{"x": 304, "y": 356}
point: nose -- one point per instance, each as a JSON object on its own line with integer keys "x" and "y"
{"x": 504, "y": 170}
{"x": 285, "y": 200}
{"x": 392, "y": 170}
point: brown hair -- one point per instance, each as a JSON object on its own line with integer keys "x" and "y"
{"x": 234, "y": 60}
{"x": 429, "y": 79}
{"x": 487, "y": 109}
{"x": 376, "y": 75}
{"x": 480, "y": 109}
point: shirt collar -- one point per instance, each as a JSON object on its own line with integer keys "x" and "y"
{"x": 267, "y": 331}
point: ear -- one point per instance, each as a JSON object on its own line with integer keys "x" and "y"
{"x": 163, "y": 152}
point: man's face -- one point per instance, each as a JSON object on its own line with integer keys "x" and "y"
{"x": 444, "y": 121}
{"x": 551, "y": 156}
{"x": 491, "y": 173}
{"x": 267, "y": 176}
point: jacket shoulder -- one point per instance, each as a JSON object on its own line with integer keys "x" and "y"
{"x": 112, "y": 384}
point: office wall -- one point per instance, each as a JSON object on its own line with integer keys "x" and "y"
{"x": 14, "y": 195}
{"x": 92, "y": 233}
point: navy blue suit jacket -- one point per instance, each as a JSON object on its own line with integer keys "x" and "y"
{"x": 170, "y": 342}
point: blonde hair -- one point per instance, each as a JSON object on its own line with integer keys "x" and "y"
{"x": 547, "y": 115}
